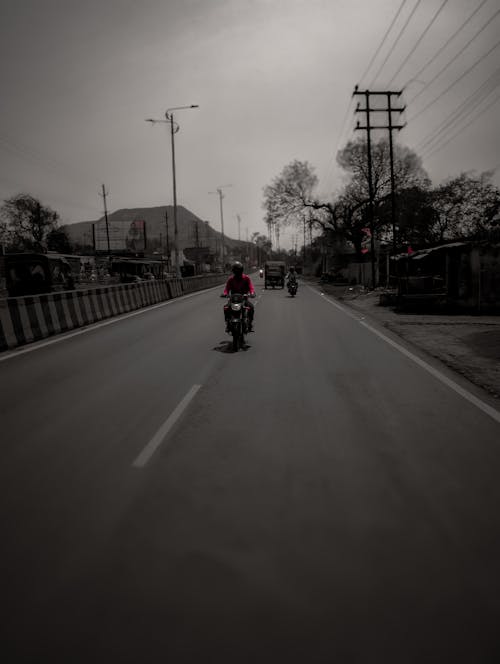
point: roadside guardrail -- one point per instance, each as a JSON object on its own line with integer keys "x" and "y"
{"x": 24, "y": 320}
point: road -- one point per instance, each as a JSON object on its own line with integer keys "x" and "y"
{"x": 319, "y": 497}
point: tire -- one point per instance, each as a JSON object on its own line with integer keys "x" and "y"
{"x": 236, "y": 342}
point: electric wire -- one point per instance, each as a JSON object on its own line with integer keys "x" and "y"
{"x": 383, "y": 41}
{"x": 453, "y": 59}
{"x": 396, "y": 41}
{"x": 443, "y": 47}
{"x": 22, "y": 151}
{"x": 461, "y": 129}
{"x": 329, "y": 166}
{"x": 460, "y": 117}
{"x": 463, "y": 75}
{"x": 25, "y": 153}
{"x": 419, "y": 40}
{"x": 474, "y": 99}
{"x": 450, "y": 132}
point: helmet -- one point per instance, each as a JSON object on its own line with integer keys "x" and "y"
{"x": 237, "y": 268}
{"x": 292, "y": 268}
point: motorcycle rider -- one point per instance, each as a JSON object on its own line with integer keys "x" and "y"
{"x": 240, "y": 283}
{"x": 291, "y": 277}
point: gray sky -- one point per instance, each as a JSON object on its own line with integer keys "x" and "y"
{"x": 273, "y": 79}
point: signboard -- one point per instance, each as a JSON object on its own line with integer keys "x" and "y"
{"x": 124, "y": 235}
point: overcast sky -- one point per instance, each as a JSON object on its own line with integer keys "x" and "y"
{"x": 274, "y": 82}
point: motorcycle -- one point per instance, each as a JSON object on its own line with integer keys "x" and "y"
{"x": 292, "y": 288}
{"x": 261, "y": 273}
{"x": 236, "y": 313}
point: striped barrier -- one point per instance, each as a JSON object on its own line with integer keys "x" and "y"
{"x": 35, "y": 317}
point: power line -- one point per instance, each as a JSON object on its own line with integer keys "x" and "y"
{"x": 438, "y": 138}
{"x": 454, "y": 57}
{"x": 461, "y": 129}
{"x": 484, "y": 90}
{"x": 473, "y": 66}
{"x": 396, "y": 41}
{"x": 383, "y": 40}
{"x": 450, "y": 39}
{"x": 426, "y": 30}
{"x": 443, "y": 138}
{"x": 327, "y": 170}
{"x": 28, "y": 153}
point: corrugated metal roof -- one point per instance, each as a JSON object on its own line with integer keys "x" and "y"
{"x": 422, "y": 253}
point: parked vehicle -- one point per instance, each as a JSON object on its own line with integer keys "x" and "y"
{"x": 236, "y": 311}
{"x": 274, "y": 274}
{"x": 35, "y": 274}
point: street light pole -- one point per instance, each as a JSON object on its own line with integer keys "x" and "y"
{"x": 174, "y": 128}
{"x": 176, "y": 230}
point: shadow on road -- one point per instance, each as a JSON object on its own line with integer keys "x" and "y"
{"x": 227, "y": 347}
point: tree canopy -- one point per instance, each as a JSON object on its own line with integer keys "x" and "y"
{"x": 27, "y": 225}
{"x": 462, "y": 207}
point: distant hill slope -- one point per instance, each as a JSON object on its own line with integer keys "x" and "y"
{"x": 81, "y": 232}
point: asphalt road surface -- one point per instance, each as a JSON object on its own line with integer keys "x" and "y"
{"x": 319, "y": 497}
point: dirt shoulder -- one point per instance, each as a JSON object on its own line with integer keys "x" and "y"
{"x": 470, "y": 345}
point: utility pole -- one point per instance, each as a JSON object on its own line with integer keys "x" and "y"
{"x": 391, "y": 128}
{"x": 104, "y": 194}
{"x": 221, "y": 196}
{"x": 197, "y": 236}
{"x": 168, "y": 242}
{"x": 239, "y": 226}
{"x": 368, "y": 128}
{"x": 304, "y": 247}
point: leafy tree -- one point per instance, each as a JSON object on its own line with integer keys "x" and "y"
{"x": 465, "y": 207}
{"x": 415, "y": 216}
{"x": 58, "y": 240}
{"x": 27, "y": 222}
{"x": 409, "y": 176}
{"x": 408, "y": 170}
{"x": 290, "y": 197}
{"x": 263, "y": 245}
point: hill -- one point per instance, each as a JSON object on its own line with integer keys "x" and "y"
{"x": 191, "y": 229}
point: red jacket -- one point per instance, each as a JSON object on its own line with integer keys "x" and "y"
{"x": 241, "y": 285}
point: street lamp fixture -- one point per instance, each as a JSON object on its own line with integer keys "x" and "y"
{"x": 174, "y": 128}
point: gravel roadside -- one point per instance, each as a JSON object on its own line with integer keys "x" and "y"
{"x": 468, "y": 344}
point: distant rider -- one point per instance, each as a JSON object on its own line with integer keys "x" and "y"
{"x": 240, "y": 283}
{"x": 291, "y": 277}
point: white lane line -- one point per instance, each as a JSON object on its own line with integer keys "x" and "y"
{"x": 16, "y": 352}
{"x": 465, "y": 394}
{"x": 162, "y": 432}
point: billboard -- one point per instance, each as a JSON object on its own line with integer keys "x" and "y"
{"x": 124, "y": 235}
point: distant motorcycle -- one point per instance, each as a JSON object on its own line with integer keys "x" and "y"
{"x": 236, "y": 313}
{"x": 292, "y": 288}
{"x": 261, "y": 273}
